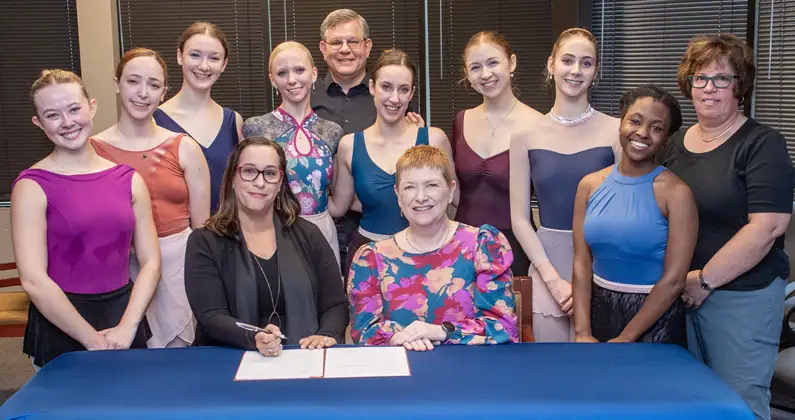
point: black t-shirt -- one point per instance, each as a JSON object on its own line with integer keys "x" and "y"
{"x": 750, "y": 173}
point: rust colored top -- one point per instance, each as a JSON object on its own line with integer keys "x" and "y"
{"x": 164, "y": 178}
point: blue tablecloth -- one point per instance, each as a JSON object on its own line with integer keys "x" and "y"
{"x": 532, "y": 381}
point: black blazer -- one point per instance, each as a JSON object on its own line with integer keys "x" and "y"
{"x": 221, "y": 286}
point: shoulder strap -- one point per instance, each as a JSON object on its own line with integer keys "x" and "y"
{"x": 422, "y": 136}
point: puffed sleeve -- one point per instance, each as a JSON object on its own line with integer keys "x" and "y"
{"x": 769, "y": 174}
{"x": 495, "y": 319}
{"x": 367, "y": 304}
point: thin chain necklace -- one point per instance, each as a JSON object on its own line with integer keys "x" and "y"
{"x": 710, "y": 140}
{"x": 585, "y": 116}
{"x": 148, "y": 142}
{"x": 438, "y": 245}
{"x": 52, "y": 157}
{"x": 274, "y": 303}
{"x": 493, "y": 130}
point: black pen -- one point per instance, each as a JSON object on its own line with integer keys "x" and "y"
{"x": 248, "y": 327}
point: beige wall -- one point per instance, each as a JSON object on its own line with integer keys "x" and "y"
{"x": 99, "y": 53}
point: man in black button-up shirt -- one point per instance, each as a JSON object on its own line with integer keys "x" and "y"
{"x": 343, "y": 96}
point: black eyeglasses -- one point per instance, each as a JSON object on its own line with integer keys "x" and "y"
{"x": 721, "y": 81}
{"x": 250, "y": 174}
{"x": 353, "y": 44}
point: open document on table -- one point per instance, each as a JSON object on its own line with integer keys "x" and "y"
{"x": 340, "y": 362}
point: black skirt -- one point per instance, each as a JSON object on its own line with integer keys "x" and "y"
{"x": 611, "y": 311}
{"x": 44, "y": 341}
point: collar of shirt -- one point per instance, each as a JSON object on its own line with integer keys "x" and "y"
{"x": 333, "y": 88}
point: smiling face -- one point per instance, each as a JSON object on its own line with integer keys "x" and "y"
{"x": 424, "y": 195}
{"x": 711, "y": 102}
{"x": 64, "y": 114}
{"x": 259, "y": 194}
{"x": 489, "y": 69}
{"x": 392, "y": 89}
{"x": 202, "y": 60}
{"x": 574, "y": 66}
{"x": 644, "y": 129}
{"x": 345, "y": 50}
{"x": 141, "y": 87}
{"x": 292, "y": 72}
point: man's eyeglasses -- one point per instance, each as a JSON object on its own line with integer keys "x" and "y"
{"x": 353, "y": 44}
{"x": 721, "y": 81}
{"x": 250, "y": 174}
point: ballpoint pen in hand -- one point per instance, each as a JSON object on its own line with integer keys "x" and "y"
{"x": 249, "y": 327}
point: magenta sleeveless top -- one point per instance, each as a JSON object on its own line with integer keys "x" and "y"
{"x": 90, "y": 225}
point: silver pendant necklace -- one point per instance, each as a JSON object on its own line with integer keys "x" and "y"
{"x": 274, "y": 303}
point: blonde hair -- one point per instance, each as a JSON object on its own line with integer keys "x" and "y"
{"x": 288, "y": 45}
{"x": 341, "y": 16}
{"x": 52, "y": 77}
{"x": 424, "y": 156}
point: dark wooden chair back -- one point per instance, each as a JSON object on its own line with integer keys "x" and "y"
{"x": 523, "y": 290}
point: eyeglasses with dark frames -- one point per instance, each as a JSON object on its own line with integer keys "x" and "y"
{"x": 250, "y": 174}
{"x": 721, "y": 81}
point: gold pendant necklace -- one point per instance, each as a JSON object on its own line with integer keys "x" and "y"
{"x": 494, "y": 130}
{"x": 701, "y": 135}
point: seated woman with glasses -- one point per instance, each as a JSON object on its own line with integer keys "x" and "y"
{"x": 257, "y": 262}
{"x": 437, "y": 281}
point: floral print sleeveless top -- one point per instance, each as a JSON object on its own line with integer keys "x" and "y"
{"x": 309, "y": 172}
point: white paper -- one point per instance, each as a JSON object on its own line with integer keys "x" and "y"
{"x": 290, "y": 364}
{"x": 366, "y": 362}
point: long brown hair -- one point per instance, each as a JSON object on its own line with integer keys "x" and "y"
{"x": 224, "y": 221}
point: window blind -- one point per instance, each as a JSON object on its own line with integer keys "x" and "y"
{"x": 34, "y": 35}
{"x": 774, "y": 103}
{"x": 642, "y": 41}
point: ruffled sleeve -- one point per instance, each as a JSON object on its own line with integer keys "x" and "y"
{"x": 369, "y": 326}
{"x": 495, "y": 319}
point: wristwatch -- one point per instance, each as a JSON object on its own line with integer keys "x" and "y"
{"x": 449, "y": 329}
{"x": 702, "y": 282}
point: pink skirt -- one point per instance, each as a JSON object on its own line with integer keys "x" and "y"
{"x": 169, "y": 314}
